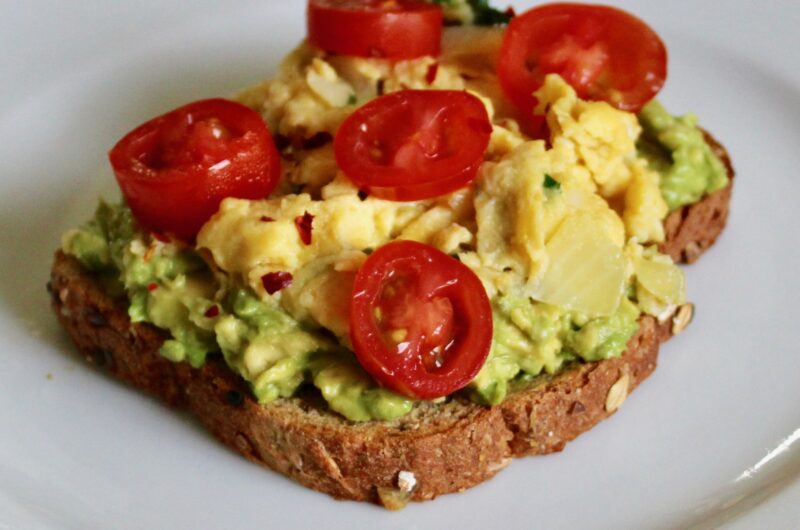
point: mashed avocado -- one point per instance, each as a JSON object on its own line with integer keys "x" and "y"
{"x": 675, "y": 147}
{"x": 171, "y": 287}
{"x": 166, "y": 285}
{"x": 531, "y": 338}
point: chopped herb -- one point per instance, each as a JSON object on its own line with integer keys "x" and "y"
{"x": 352, "y": 100}
{"x": 550, "y": 183}
{"x": 369, "y": 250}
{"x": 484, "y": 14}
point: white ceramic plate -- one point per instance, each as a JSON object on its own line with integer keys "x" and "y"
{"x": 710, "y": 438}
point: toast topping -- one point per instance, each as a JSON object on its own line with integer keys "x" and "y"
{"x": 560, "y": 234}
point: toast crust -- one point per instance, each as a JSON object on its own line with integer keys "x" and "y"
{"x": 448, "y": 447}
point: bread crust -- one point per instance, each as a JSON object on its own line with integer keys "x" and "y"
{"x": 448, "y": 447}
{"x": 692, "y": 229}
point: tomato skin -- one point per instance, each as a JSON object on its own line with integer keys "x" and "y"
{"x": 174, "y": 170}
{"x": 414, "y": 144}
{"x": 439, "y": 307}
{"x": 393, "y": 29}
{"x": 603, "y": 52}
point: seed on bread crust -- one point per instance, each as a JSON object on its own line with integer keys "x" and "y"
{"x": 682, "y": 318}
{"x": 618, "y": 393}
{"x": 393, "y": 499}
{"x": 406, "y": 481}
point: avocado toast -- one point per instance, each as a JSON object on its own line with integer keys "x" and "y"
{"x": 432, "y": 448}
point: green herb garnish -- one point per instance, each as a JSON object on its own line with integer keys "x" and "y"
{"x": 483, "y": 13}
{"x": 550, "y": 183}
{"x": 486, "y": 15}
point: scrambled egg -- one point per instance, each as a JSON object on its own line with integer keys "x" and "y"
{"x": 537, "y": 214}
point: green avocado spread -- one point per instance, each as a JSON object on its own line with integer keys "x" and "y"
{"x": 676, "y": 148}
{"x": 170, "y": 286}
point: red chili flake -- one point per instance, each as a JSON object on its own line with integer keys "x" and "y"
{"x": 275, "y": 281}
{"x": 266, "y": 219}
{"x": 212, "y": 312}
{"x": 152, "y": 287}
{"x": 304, "y": 225}
{"x": 433, "y": 70}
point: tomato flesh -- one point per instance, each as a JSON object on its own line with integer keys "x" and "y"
{"x": 604, "y": 53}
{"x": 414, "y": 144}
{"x": 420, "y": 321}
{"x": 175, "y": 169}
{"x": 391, "y": 29}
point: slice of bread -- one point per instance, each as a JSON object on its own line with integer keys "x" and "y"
{"x": 436, "y": 449}
{"x": 447, "y": 447}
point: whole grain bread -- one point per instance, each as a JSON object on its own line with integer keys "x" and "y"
{"x": 445, "y": 447}
{"x": 436, "y": 449}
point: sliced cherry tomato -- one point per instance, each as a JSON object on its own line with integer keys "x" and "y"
{"x": 604, "y": 53}
{"x": 420, "y": 321}
{"x": 393, "y": 29}
{"x": 174, "y": 170}
{"x": 414, "y": 144}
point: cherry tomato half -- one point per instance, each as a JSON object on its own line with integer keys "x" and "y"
{"x": 392, "y": 29}
{"x": 175, "y": 169}
{"x": 414, "y": 144}
{"x": 420, "y": 321}
{"x": 604, "y": 53}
